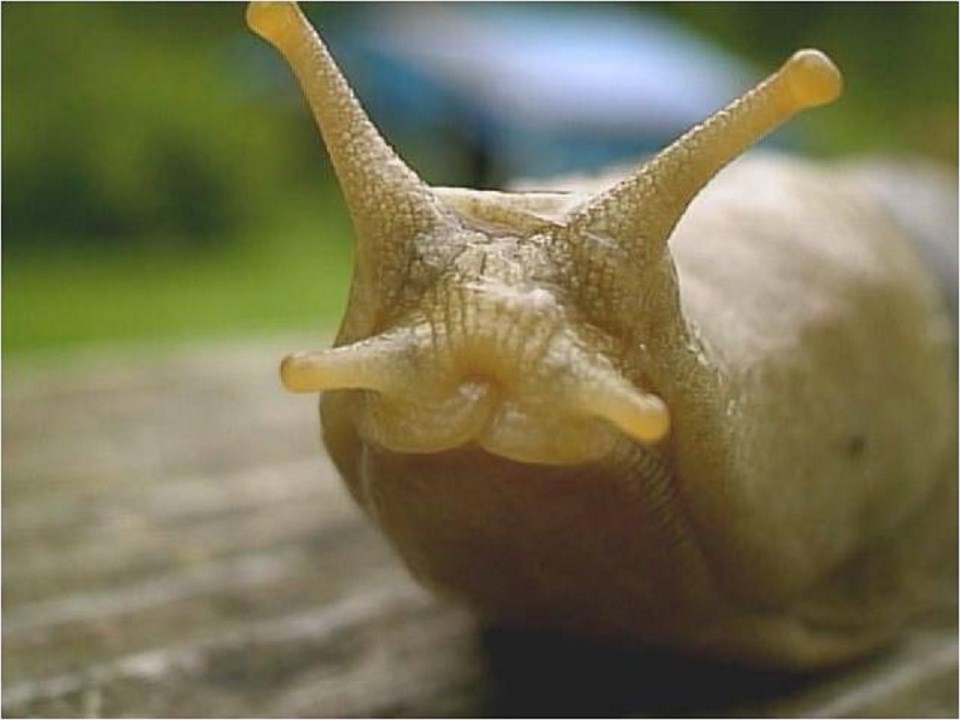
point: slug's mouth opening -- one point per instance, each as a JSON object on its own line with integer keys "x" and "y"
{"x": 482, "y": 414}
{"x": 547, "y": 393}
{"x": 543, "y": 417}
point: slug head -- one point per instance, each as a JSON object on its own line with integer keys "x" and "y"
{"x": 487, "y": 318}
{"x": 479, "y": 348}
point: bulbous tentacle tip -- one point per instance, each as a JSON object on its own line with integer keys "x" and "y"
{"x": 811, "y": 78}
{"x": 651, "y": 422}
{"x": 268, "y": 19}
{"x": 334, "y": 369}
{"x": 641, "y": 416}
{"x": 298, "y": 373}
{"x": 376, "y": 364}
{"x": 604, "y": 393}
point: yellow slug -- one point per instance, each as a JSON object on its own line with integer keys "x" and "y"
{"x": 715, "y": 417}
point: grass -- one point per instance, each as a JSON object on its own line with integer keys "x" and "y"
{"x": 292, "y": 273}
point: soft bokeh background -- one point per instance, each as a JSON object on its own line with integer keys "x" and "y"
{"x": 162, "y": 180}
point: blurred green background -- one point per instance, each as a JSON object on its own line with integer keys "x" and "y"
{"x": 153, "y": 190}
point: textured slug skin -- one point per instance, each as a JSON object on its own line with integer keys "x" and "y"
{"x": 804, "y": 503}
{"x": 706, "y": 407}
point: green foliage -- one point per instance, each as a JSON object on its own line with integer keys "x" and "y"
{"x": 291, "y": 272}
{"x": 118, "y": 130}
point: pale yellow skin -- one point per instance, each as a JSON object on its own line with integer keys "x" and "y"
{"x": 741, "y": 443}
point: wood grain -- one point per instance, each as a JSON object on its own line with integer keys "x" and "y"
{"x": 175, "y": 543}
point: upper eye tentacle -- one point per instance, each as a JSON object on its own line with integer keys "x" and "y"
{"x": 639, "y": 213}
{"x": 390, "y": 206}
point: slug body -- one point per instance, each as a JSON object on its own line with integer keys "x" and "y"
{"x": 740, "y": 442}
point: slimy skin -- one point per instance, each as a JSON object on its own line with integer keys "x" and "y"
{"x": 716, "y": 417}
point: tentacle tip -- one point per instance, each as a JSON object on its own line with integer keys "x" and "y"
{"x": 650, "y": 422}
{"x": 291, "y": 372}
{"x": 812, "y": 78}
{"x": 268, "y": 18}
{"x": 641, "y": 416}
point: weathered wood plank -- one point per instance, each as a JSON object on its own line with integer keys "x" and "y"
{"x": 175, "y": 543}
{"x": 176, "y": 521}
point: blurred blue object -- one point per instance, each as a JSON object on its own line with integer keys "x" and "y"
{"x": 486, "y": 92}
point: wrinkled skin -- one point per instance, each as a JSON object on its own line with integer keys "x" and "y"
{"x": 789, "y": 519}
{"x": 739, "y": 443}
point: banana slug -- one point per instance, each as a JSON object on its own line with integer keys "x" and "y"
{"x": 714, "y": 417}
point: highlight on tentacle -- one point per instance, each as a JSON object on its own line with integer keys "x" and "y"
{"x": 372, "y": 364}
{"x": 640, "y": 415}
{"x": 387, "y": 200}
{"x": 597, "y": 388}
{"x": 640, "y": 212}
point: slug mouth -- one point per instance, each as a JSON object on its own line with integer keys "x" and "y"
{"x": 482, "y": 413}
{"x": 531, "y": 434}
{"x": 513, "y": 376}
{"x": 553, "y": 413}
{"x": 485, "y": 414}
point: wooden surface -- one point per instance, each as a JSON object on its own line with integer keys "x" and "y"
{"x": 175, "y": 543}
